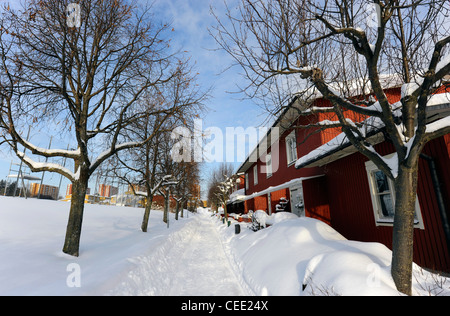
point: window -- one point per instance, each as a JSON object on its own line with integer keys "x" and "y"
{"x": 269, "y": 165}
{"x": 246, "y": 181}
{"x": 255, "y": 175}
{"x": 383, "y": 194}
{"x": 291, "y": 148}
{"x": 383, "y": 197}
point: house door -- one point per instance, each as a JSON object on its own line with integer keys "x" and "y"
{"x": 297, "y": 202}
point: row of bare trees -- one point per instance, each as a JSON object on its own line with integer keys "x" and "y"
{"x": 112, "y": 84}
{"x": 150, "y": 170}
{"x": 216, "y": 195}
{"x": 348, "y": 52}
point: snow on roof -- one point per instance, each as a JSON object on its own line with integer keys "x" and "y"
{"x": 282, "y": 186}
{"x": 303, "y": 98}
{"x": 340, "y": 146}
{"x": 237, "y": 195}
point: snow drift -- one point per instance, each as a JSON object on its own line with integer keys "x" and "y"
{"x": 304, "y": 256}
{"x": 32, "y": 235}
{"x": 294, "y": 256}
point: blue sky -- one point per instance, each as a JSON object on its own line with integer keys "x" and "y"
{"x": 190, "y": 20}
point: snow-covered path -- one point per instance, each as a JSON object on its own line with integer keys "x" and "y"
{"x": 191, "y": 261}
{"x": 202, "y": 266}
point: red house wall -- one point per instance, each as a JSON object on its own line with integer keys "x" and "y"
{"x": 351, "y": 207}
{"x": 342, "y": 199}
{"x": 284, "y": 173}
{"x": 249, "y": 205}
{"x": 261, "y": 203}
{"x": 276, "y": 196}
{"x": 315, "y": 194}
{"x": 306, "y": 142}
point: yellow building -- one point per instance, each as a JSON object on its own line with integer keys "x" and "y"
{"x": 44, "y": 190}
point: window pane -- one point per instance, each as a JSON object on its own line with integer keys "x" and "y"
{"x": 269, "y": 165}
{"x": 289, "y": 150}
{"x": 381, "y": 182}
{"x": 387, "y": 207}
{"x": 293, "y": 149}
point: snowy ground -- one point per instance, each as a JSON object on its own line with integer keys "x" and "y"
{"x": 116, "y": 258}
{"x": 195, "y": 256}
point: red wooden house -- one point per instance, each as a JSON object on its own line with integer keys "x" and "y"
{"x": 334, "y": 183}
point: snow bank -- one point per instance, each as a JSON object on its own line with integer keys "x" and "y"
{"x": 204, "y": 211}
{"x": 303, "y": 256}
{"x": 294, "y": 256}
{"x": 264, "y": 219}
{"x": 32, "y": 235}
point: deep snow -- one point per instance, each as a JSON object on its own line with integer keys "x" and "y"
{"x": 196, "y": 256}
{"x": 304, "y": 256}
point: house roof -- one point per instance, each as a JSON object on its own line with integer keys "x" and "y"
{"x": 340, "y": 146}
{"x": 284, "y": 120}
{"x": 335, "y": 149}
{"x": 239, "y": 197}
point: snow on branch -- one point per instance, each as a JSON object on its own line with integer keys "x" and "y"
{"x": 111, "y": 151}
{"x": 51, "y": 152}
{"x": 164, "y": 181}
{"x": 315, "y": 75}
{"x": 48, "y": 166}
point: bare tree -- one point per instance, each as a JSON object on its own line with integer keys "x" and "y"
{"x": 224, "y": 191}
{"x": 145, "y": 163}
{"x": 183, "y": 96}
{"x": 88, "y": 78}
{"x": 349, "y": 51}
{"x": 215, "y": 183}
{"x": 167, "y": 166}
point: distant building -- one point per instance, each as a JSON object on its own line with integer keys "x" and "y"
{"x": 195, "y": 199}
{"x": 44, "y": 190}
{"x": 69, "y": 190}
{"x": 107, "y": 190}
{"x": 136, "y": 188}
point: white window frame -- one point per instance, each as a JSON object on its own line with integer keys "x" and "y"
{"x": 255, "y": 175}
{"x": 291, "y": 148}
{"x": 380, "y": 219}
{"x": 269, "y": 165}
{"x": 247, "y": 183}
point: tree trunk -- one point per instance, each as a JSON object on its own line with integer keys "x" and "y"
{"x": 166, "y": 206}
{"x": 73, "y": 232}
{"x": 177, "y": 210}
{"x": 165, "y": 211}
{"x": 225, "y": 212}
{"x": 403, "y": 233}
{"x": 148, "y": 207}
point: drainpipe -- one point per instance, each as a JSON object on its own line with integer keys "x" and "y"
{"x": 439, "y": 197}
